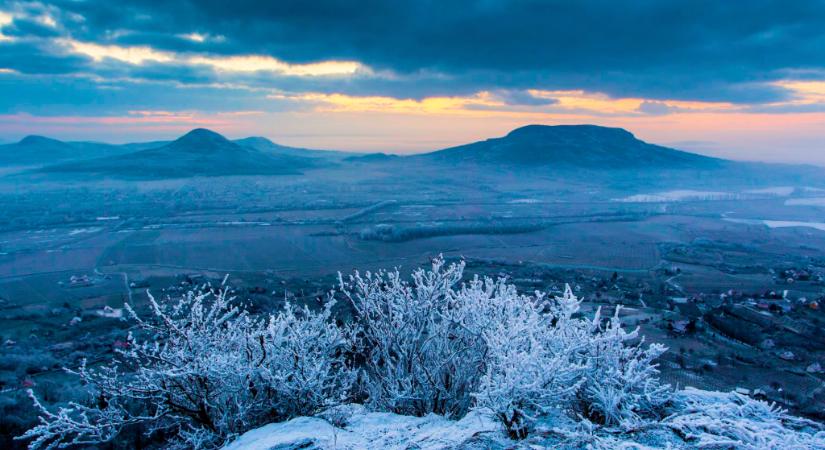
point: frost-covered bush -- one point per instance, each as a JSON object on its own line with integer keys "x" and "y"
{"x": 540, "y": 357}
{"x": 417, "y": 361}
{"x": 206, "y": 371}
{"x": 621, "y": 385}
{"x": 434, "y": 346}
{"x": 530, "y": 364}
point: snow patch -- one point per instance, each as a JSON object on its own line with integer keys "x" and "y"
{"x": 373, "y": 430}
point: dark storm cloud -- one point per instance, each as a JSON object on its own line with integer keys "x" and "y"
{"x": 184, "y": 74}
{"x": 45, "y": 95}
{"x": 697, "y": 50}
{"x": 39, "y": 58}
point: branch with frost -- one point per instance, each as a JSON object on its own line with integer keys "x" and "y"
{"x": 731, "y": 420}
{"x": 76, "y": 424}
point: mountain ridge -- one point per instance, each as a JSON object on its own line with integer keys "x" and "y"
{"x": 203, "y": 152}
{"x": 590, "y": 146}
{"x": 200, "y": 152}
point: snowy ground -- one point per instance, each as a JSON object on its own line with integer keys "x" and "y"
{"x": 701, "y": 419}
{"x": 367, "y": 430}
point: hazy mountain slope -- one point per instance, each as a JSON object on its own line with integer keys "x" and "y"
{"x": 265, "y": 145}
{"x": 40, "y": 150}
{"x": 137, "y": 146}
{"x": 200, "y": 152}
{"x": 33, "y": 150}
{"x": 588, "y": 146}
{"x": 372, "y": 157}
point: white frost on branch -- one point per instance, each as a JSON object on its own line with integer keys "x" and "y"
{"x": 732, "y": 420}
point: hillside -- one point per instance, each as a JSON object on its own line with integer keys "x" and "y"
{"x": 587, "y": 146}
{"x": 200, "y": 152}
{"x": 372, "y": 158}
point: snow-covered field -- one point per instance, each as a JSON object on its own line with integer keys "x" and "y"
{"x": 524, "y": 201}
{"x": 811, "y": 201}
{"x": 693, "y": 195}
{"x": 780, "y": 223}
{"x": 678, "y": 196}
{"x": 777, "y": 191}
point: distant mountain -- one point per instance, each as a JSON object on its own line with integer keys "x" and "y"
{"x": 588, "y": 146}
{"x": 136, "y": 146}
{"x": 41, "y": 150}
{"x": 32, "y": 150}
{"x": 265, "y": 145}
{"x": 200, "y": 152}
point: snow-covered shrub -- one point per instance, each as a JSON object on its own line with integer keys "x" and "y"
{"x": 434, "y": 346}
{"x": 539, "y": 357}
{"x": 621, "y": 385}
{"x": 530, "y": 358}
{"x": 206, "y": 371}
{"x": 416, "y": 360}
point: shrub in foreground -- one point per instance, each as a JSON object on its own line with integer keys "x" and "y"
{"x": 206, "y": 372}
{"x": 434, "y": 346}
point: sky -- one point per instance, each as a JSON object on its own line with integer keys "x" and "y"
{"x": 741, "y": 80}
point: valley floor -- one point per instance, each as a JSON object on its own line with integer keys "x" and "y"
{"x": 739, "y": 302}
